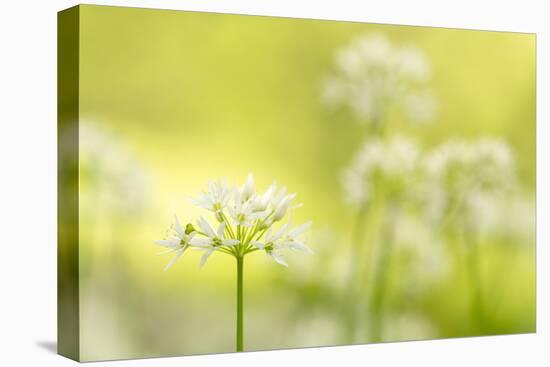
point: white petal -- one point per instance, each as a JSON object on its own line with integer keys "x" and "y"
{"x": 232, "y": 212}
{"x": 299, "y": 230}
{"x": 168, "y": 243}
{"x": 168, "y": 251}
{"x": 201, "y": 242}
{"x": 278, "y": 258}
{"x": 248, "y": 188}
{"x": 280, "y": 232}
{"x": 174, "y": 259}
{"x": 177, "y": 226}
{"x": 300, "y": 247}
{"x": 211, "y": 187}
{"x": 259, "y": 215}
{"x": 279, "y": 197}
{"x": 204, "y": 257}
{"x": 258, "y": 244}
{"x": 203, "y": 202}
{"x": 230, "y": 242}
{"x": 268, "y": 194}
{"x": 282, "y": 245}
{"x": 268, "y": 234}
{"x": 221, "y": 228}
{"x": 206, "y": 228}
{"x": 281, "y": 209}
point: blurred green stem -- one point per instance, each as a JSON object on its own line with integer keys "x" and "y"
{"x": 240, "y": 263}
{"x": 473, "y": 264}
{"x": 350, "y": 309}
{"x": 379, "y": 282}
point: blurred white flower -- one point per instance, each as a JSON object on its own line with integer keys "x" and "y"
{"x": 466, "y": 173}
{"x": 110, "y": 173}
{"x": 371, "y": 74}
{"x": 502, "y": 214}
{"x": 420, "y": 107}
{"x": 381, "y": 165}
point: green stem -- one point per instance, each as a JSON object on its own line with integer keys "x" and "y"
{"x": 473, "y": 262}
{"x": 380, "y": 283}
{"x": 240, "y": 263}
{"x": 350, "y": 309}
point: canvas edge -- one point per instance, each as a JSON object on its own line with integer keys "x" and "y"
{"x": 68, "y": 305}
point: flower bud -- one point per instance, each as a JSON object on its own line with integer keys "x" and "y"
{"x": 248, "y": 188}
{"x": 189, "y": 228}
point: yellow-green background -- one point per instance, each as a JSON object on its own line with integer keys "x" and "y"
{"x": 197, "y": 96}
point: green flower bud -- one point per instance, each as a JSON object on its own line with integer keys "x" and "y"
{"x": 189, "y": 229}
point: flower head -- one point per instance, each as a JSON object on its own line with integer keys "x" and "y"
{"x": 371, "y": 73}
{"x": 381, "y": 165}
{"x": 246, "y": 221}
{"x": 466, "y": 173}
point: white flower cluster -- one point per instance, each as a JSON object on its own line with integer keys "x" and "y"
{"x": 371, "y": 74}
{"x": 381, "y": 166}
{"x": 471, "y": 174}
{"x": 508, "y": 215}
{"x": 245, "y": 222}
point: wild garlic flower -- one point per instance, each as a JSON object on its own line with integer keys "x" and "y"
{"x": 507, "y": 215}
{"x": 463, "y": 174}
{"x": 370, "y": 74}
{"x": 282, "y": 239}
{"x": 244, "y": 212}
{"x": 215, "y": 198}
{"x": 211, "y": 240}
{"x": 381, "y": 166}
{"x": 177, "y": 240}
{"x": 246, "y": 223}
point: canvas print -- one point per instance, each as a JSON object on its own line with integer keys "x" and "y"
{"x": 232, "y": 183}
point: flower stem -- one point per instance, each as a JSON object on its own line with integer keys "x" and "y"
{"x": 240, "y": 263}
{"x": 349, "y": 309}
{"x": 378, "y": 296}
{"x": 469, "y": 240}
{"x": 476, "y": 297}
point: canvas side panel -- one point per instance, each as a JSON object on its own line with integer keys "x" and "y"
{"x": 67, "y": 174}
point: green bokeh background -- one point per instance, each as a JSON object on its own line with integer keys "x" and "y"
{"x": 197, "y": 96}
